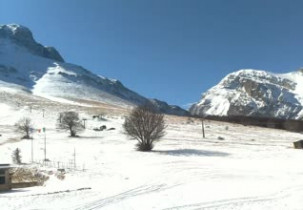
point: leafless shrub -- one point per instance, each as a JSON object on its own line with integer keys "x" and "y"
{"x": 60, "y": 175}
{"x": 24, "y": 174}
{"x": 146, "y": 125}
{"x": 189, "y": 120}
{"x": 220, "y": 138}
{"x": 100, "y": 117}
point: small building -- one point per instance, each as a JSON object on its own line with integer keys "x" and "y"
{"x": 298, "y": 144}
{"x": 5, "y": 177}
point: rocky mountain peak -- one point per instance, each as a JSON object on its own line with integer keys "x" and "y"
{"x": 22, "y": 36}
{"x": 168, "y": 109}
{"x": 42, "y": 72}
{"x": 254, "y": 93}
{"x": 16, "y": 32}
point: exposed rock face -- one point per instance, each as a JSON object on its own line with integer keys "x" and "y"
{"x": 22, "y": 36}
{"x": 254, "y": 93}
{"x": 168, "y": 109}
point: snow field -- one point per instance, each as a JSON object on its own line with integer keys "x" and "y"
{"x": 252, "y": 168}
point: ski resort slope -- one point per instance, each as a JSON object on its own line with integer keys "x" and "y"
{"x": 251, "y": 168}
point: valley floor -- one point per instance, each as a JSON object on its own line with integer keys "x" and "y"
{"x": 249, "y": 168}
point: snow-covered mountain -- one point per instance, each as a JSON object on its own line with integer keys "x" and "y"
{"x": 254, "y": 93}
{"x": 42, "y": 71}
{"x": 168, "y": 109}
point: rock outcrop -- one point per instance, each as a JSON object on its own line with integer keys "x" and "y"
{"x": 254, "y": 93}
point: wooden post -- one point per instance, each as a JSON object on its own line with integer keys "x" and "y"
{"x": 203, "y": 131}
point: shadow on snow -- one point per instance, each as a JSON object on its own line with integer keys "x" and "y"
{"x": 191, "y": 152}
{"x": 12, "y": 191}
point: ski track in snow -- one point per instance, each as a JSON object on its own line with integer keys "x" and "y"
{"x": 241, "y": 203}
{"x": 142, "y": 190}
{"x": 237, "y": 203}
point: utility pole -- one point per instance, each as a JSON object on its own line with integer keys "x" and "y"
{"x": 75, "y": 158}
{"x": 32, "y": 146}
{"x": 44, "y": 144}
{"x": 203, "y": 117}
{"x": 43, "y": 112}
{"x": 32, "y": 149}
{"x": 203, "y": 132}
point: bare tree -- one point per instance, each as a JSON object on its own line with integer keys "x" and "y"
{"x": 24, "y": 126}
{"x": 70, "y": 121}
{"x": 146, "y": 125}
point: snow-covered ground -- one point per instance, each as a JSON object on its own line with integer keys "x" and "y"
{"x": 249, "y": 168}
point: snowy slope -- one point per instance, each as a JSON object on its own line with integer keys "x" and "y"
{"x": 43, "y": 71}
{"x": 252, "y": 168}
{"x": 246, "y": 168}
{"x": 254, "y": 93}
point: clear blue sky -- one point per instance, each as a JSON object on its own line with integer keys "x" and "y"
{"x": 172, "y": 50}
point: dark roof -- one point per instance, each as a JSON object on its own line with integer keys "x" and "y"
{"x": 299, "y": 141}
{"x": 5, "y": 166}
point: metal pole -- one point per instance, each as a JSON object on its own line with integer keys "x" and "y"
{"x": 203, "y": 128}
{"x": 32, "y": 150}
{"x": 44, "y": 145}
{"x": 202, "y": 119}
{"x": 74, "y": 158}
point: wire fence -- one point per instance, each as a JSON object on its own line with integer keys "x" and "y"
{"x": 64, "y": 166}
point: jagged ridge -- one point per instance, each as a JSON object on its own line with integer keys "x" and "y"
{"x": 24, "y": 37}
{"x": 43, "y": 71}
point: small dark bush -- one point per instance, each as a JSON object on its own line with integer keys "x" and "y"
{"x": 145, "y": 146}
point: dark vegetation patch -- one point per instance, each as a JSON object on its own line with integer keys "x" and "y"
{"x": 284, "y": 124}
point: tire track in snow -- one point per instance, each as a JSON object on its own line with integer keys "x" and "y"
{"x": 238, "y": 203}
{"x": 144, "y": 189}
